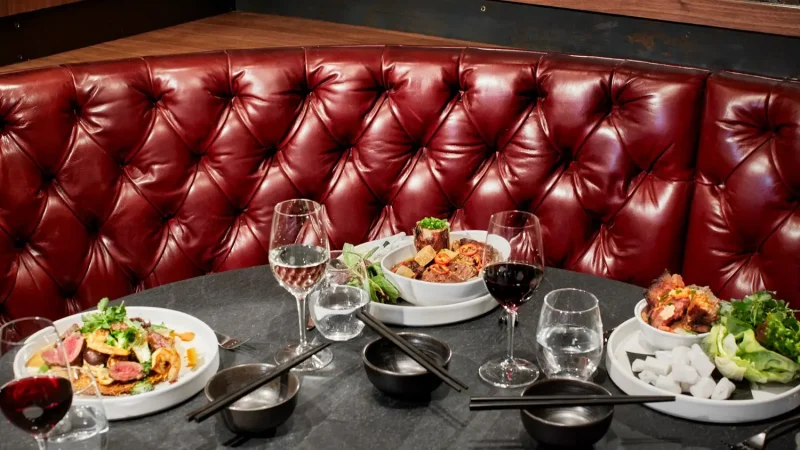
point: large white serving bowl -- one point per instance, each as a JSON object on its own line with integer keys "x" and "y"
{"x": 165, "y": 395}
{"x": 425, "y": 293}
{"x": 664, "y": 340}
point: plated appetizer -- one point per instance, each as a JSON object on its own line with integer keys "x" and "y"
{"x": 440, "y": 261}
{"x": 125, "y": 355}
{"x": 676, "y": 308}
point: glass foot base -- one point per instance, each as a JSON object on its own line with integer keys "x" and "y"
{"x": 316, "y": 362}
{"x": 509, "y": 373}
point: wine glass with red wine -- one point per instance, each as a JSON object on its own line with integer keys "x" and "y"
{"x": 35, "y": 390}
{"x": 298, "y": 256}
{"x": 512, "y": 280}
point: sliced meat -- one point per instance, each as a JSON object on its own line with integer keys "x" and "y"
{"x": 73, "y": 346}
{"x": 53, "y": 357}
{"x": 126, "y": 371}
{"x": 94, "y": 358}
{"x": 157, "y": 341}
{"x": 415, "y": 267}
{"x": 75, "y": 328}
{"x": 438, "y": 239}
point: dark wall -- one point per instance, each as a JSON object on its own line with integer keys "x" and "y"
{"x": 561, "y": 30}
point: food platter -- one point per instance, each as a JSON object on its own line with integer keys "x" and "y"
{"x": 405, "y": 314}
{"x": 759, "y": 402}
{"x": 165, "y": 395}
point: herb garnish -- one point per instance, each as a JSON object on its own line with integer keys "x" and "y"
{"x": 432, "y": 223}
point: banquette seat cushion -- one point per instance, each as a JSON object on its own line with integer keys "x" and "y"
{"x": 120, "y": 176}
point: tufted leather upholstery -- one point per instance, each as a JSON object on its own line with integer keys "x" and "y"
{"x": 120, "y": 176}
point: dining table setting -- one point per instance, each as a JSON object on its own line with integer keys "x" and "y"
{"x": 435, "y": 339}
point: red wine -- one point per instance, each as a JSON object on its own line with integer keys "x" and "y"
{"x": 298, "y": 267}
{"x": 511, "y": 282}
{"x": 36, "y": 404}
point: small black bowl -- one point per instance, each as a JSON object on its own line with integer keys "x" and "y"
{"x": 569, "y": 426}
{"x": 262, "y": 410}
{"x": 396, "y": 374}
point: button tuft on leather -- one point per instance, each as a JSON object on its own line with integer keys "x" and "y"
{"x": 93, "y": 226}
{"x": 20, "y": 243}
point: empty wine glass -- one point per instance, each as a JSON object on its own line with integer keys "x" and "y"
{"x": 35, "y": 392}
{"x": 344, "y": 291}
{"x": 298, "y": 256}
{"x": 512, "y": 280}
{"x": 570, "y": 334}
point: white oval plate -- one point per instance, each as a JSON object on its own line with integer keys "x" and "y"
{"x": 165, "y": 395}
{"x": 422, "y": 316}
{"x": 769, "y": 400}
{"x": 426, "y": 316}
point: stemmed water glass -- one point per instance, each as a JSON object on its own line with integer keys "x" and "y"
{"x": 512, "y": 280}
{"x": 32, "y": 396}
{"x": 298, "y": 256}
{"x": 570, "y": 334}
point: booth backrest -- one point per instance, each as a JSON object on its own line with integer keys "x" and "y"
{"x": 120, "y": 176}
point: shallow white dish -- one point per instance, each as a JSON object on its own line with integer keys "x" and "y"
{"x": 663, "y": 340}
{"x": 768, "y": 400}
{"x": 425, "y": 293}
{"x": 426, "y": 316}
{"x": 165, "y": 395}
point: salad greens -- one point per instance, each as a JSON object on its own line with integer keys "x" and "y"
{"x": 104, "y": 317}
{"x": 757, "y": 338}
{"x": 432, "y": 223}
{"x": 380, "y": 288}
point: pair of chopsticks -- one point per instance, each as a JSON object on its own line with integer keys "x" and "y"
{"x": 223, "y": 402}
{"x": 539, "y": 401}
{"x": 410, "y": 350}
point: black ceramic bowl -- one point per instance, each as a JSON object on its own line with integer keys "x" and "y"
{"x": 395, "y": 373}
{"x": 571, "y": 426}
{"x": 260, "y": 411}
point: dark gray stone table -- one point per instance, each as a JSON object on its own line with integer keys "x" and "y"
{"x": 339, "y": 409}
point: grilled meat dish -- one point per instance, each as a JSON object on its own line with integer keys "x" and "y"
{"x": 461, "y": 262}
{"x": 674, "y": 307}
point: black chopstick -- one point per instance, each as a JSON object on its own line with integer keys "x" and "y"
{"x": 539, "y": 401}
{"x": 411, "y": 351}
{"x": 212, "y": 408}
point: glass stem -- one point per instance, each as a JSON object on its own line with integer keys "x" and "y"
{"x": 512, "y": 318}
{"x": 301, "y": 317}
{"x": 41, "y": 441}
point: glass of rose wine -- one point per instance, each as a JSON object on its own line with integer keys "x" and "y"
{"x": 298, "y": 256}
{"x": 512, "y": 281}
{"x": 34, "y": 394}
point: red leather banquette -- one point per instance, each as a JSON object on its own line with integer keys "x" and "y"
{"x": 117, "y": 177}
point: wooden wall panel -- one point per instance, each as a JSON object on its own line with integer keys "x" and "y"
{"x": 749, "y": 15}
{"x": 11, "y": 7}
